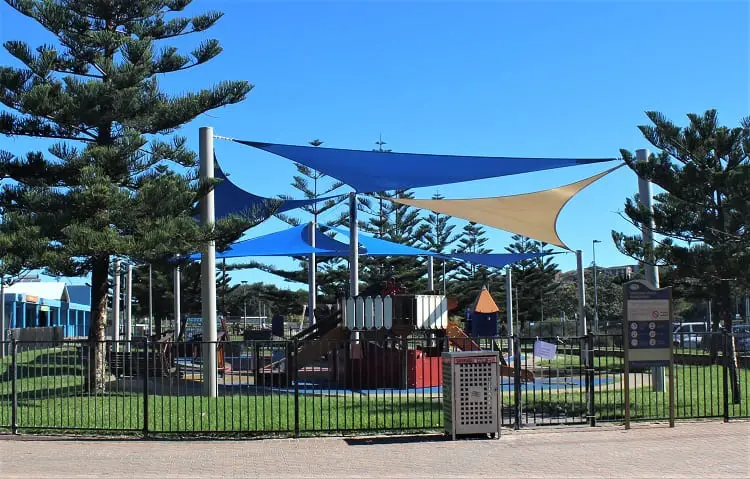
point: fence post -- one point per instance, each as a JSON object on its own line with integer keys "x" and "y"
{"x": 517, "y": 379}
{"x": 590, "y": 410}
{"x": 145, "y": 387}
{"x": 256, "y": 351}
{"x": 14, "y": 386}
{"x": 295, "y": 378}
{"x": 725, "y": 375}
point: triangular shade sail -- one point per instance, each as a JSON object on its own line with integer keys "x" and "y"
{"x": 494, "y": 260}
{"x": 296, "y": 242}
{"x": 370, "y": 171}
{"x": 292, "y": 242}
{"x": 230, "y": 198}
{"x": 531, "y": 214}
{"x": 381, "y": 247}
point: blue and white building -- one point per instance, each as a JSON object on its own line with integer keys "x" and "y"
{"x": 46, "y": 304}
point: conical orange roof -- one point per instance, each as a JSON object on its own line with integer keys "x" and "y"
{"x": 484, "y": 303}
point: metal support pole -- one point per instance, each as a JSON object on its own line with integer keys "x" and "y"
{"x": 14, "y": 385}
{"x": 444, "y": 291}
{"x": 596, "y": 289}
{"x": 208, "y": 266}
{"x": 518, "y": 398}
{"x": 177, "y": 301}
{"x": 224, "y": 287}
{"x": 353, "y": 247}
{"x": 129, "y": 308}
{"x": 3, "y": 327}
{"x": 116, "y": 307}
{"x": 582, "y": 327}
{"x": 244, "y": 307}
{"x": 150, "y": 302}
{"x": 353, "y": 254}
{"x": 645, "y": 197}
{"x": 747, "y": 309}
{"x": 430, "y": 274}
{"x": 146, "y": 374}
{"x": 509, "y": 308}
{"x": 311, "y": 277}
{"x": 590, "y": 403}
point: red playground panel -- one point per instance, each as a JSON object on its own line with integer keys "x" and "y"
{"x": 423, "y": 371}
{"x": 370, "y": 367}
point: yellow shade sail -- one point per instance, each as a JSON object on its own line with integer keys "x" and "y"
{"x": 530, "y": 214}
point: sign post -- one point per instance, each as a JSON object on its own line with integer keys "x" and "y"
{"x": 647, "y": 335}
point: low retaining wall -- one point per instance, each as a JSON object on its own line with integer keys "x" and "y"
{"x": 51, "y": 334}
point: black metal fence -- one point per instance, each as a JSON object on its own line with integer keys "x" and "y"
{"x": 366, "y": 384}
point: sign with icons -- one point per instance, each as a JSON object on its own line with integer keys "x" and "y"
{"x": 647, "y": 325}
{"x": 647, "y": 337}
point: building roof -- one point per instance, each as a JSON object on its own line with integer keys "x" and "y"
{"x": 484, "y": 303}
{"x": 41, "y": 289}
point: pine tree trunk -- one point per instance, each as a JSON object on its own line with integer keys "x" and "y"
{"x": 97, "y": 366}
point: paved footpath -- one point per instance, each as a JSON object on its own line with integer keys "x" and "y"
{"x": 696, "y": 449}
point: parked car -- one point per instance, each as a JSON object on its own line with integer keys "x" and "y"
{"x": 689, "y": 335}
{"x": 741, "y": 333}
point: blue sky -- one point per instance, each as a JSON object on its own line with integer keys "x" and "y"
{"x": 565, "y": 79}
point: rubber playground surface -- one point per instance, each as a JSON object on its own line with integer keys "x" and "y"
{"x": 244, "y": 381}
{"x": 550, "y": 385}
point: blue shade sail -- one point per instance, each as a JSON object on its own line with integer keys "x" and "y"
{"x": 331, "y": 246}
{"x": 494, "y": 260}
{"x": 231, "y": 199}
{"x": 381, "y": 247}
{"x": 290, "y": 242}
{"x": 370, "y": 171}
{"x": 296, "y": 242}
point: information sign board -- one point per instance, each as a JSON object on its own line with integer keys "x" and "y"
{"x": 648, "y": 325}
{"x": 647, "y": 336}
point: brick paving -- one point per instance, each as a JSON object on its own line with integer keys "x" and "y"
{"x": 691, "y": 449}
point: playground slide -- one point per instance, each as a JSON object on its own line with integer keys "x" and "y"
{"x": 459, "y": 339}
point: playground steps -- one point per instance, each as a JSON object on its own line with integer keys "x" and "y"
{"x": 313, "y": 350}
{"x": 125, "y": 363}
{"x": 313, "y": 342}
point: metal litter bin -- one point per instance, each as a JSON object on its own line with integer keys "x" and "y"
{"x": 471, "y": 399}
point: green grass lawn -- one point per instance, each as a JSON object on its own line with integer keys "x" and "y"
{"x": 51, "y": 395}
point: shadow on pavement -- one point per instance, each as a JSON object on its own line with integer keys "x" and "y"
{"x": 375, "y": 441}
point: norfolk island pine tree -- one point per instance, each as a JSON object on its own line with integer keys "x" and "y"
{"x": 109, "y": 187}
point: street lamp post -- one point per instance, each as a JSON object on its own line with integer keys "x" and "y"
{"x": 596, "y": 289}
{"x": 150, "y": 302}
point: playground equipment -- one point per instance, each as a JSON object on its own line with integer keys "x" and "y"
{"x": 392, "y": 341}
